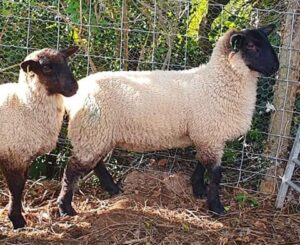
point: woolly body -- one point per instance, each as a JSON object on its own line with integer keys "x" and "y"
{"x": 31, "y": 114}
{"x": 146, "y": 111}
{"x": 155, "y": 110}
{"x": 26, "y": 133}
{"x": 30, "y": 120}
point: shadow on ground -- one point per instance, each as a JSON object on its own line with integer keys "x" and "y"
{"x": 155, "y": 208}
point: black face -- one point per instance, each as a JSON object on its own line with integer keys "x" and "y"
{"x": 256, "y": 49}
{"x": 53, "y": 71}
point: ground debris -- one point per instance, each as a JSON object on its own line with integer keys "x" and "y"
{"x": 155, "y": 208}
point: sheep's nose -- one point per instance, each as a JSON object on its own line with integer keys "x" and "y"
{"x": 74, "y": 80}
{"x": 70, "y": 92}
{"x": 275, "y": 68}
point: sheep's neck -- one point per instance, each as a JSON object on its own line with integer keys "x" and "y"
{"x": 38, "y": 100}
{"x": 231, "y": 86}
{"x": 232, "y": 68}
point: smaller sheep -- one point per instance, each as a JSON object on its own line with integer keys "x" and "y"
{"x": 31, "y": 117}
{"x": 155, "y": 110}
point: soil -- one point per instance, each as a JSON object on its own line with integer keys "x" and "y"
{"x": 154, "y": 208}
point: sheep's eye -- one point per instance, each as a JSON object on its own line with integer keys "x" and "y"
{"x": 251, "y": 46}
{"x": 47, "y": 69}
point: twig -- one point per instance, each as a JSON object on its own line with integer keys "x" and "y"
{"x": 9, "y": 67}
{"x": 3, "y": 30}
{"x": 87, "y": 177}
{"x": 68, "y": 21}
{"x": 4, "y": 194}
{"x": 80, "y": 14}
{"x": 164, "y": 225}
{"x": 144, "y": 239}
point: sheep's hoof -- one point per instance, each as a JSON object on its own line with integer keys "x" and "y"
{"x": 18, "y": 221}
{"x": 114, "y": 190}
{"x": 66, "y": 210}
{"x": 217, "y": 209}
{"x": 199, "y": 191}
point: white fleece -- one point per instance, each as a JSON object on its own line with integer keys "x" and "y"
{"x": 155, "y": 110}
{"x": 30, "y": 120}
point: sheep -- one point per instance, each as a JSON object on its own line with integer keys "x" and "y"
{"x": 155, "y": 110}
{"x": 31, "y": 117}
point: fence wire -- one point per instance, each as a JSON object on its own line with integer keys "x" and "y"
{"x": 148, "y": 35}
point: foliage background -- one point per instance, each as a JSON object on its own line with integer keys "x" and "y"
{"x": 141, "y": 35}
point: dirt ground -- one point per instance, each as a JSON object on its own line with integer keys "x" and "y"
{"x": 155, "y": 208}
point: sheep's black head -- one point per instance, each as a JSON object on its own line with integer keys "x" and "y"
{"x": 51, "y": 68}
{"x": 256, "y": 49}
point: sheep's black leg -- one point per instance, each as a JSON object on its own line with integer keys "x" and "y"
{"x": 16, "y": 181}
{"x": 213, "y": 198}
{"x": 199, "y": 188}
{"x": 70, "y": 178}
{"x": 106, "y": 179}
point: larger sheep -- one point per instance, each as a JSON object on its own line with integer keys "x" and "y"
{"x": 31, "y": 114}
{"x": 155, "y": 110}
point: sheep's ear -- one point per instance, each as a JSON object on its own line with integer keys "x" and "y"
{"x": 69, "y": 51}
{"x": 267, "y": 29}
{"x": 235, "y": 42}
{"x": 30, "y": 65}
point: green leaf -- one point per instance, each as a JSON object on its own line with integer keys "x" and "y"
{"x": 185, "y": 228}
{"x": 253, "y": 202}
{"x": 51, "y": 26}
{"x": 240, "y": 198}
{"x": 147, "y": 225}
{"x": 199, "y": 11}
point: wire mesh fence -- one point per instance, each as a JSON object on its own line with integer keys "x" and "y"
{"x": 162, "y": 34}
